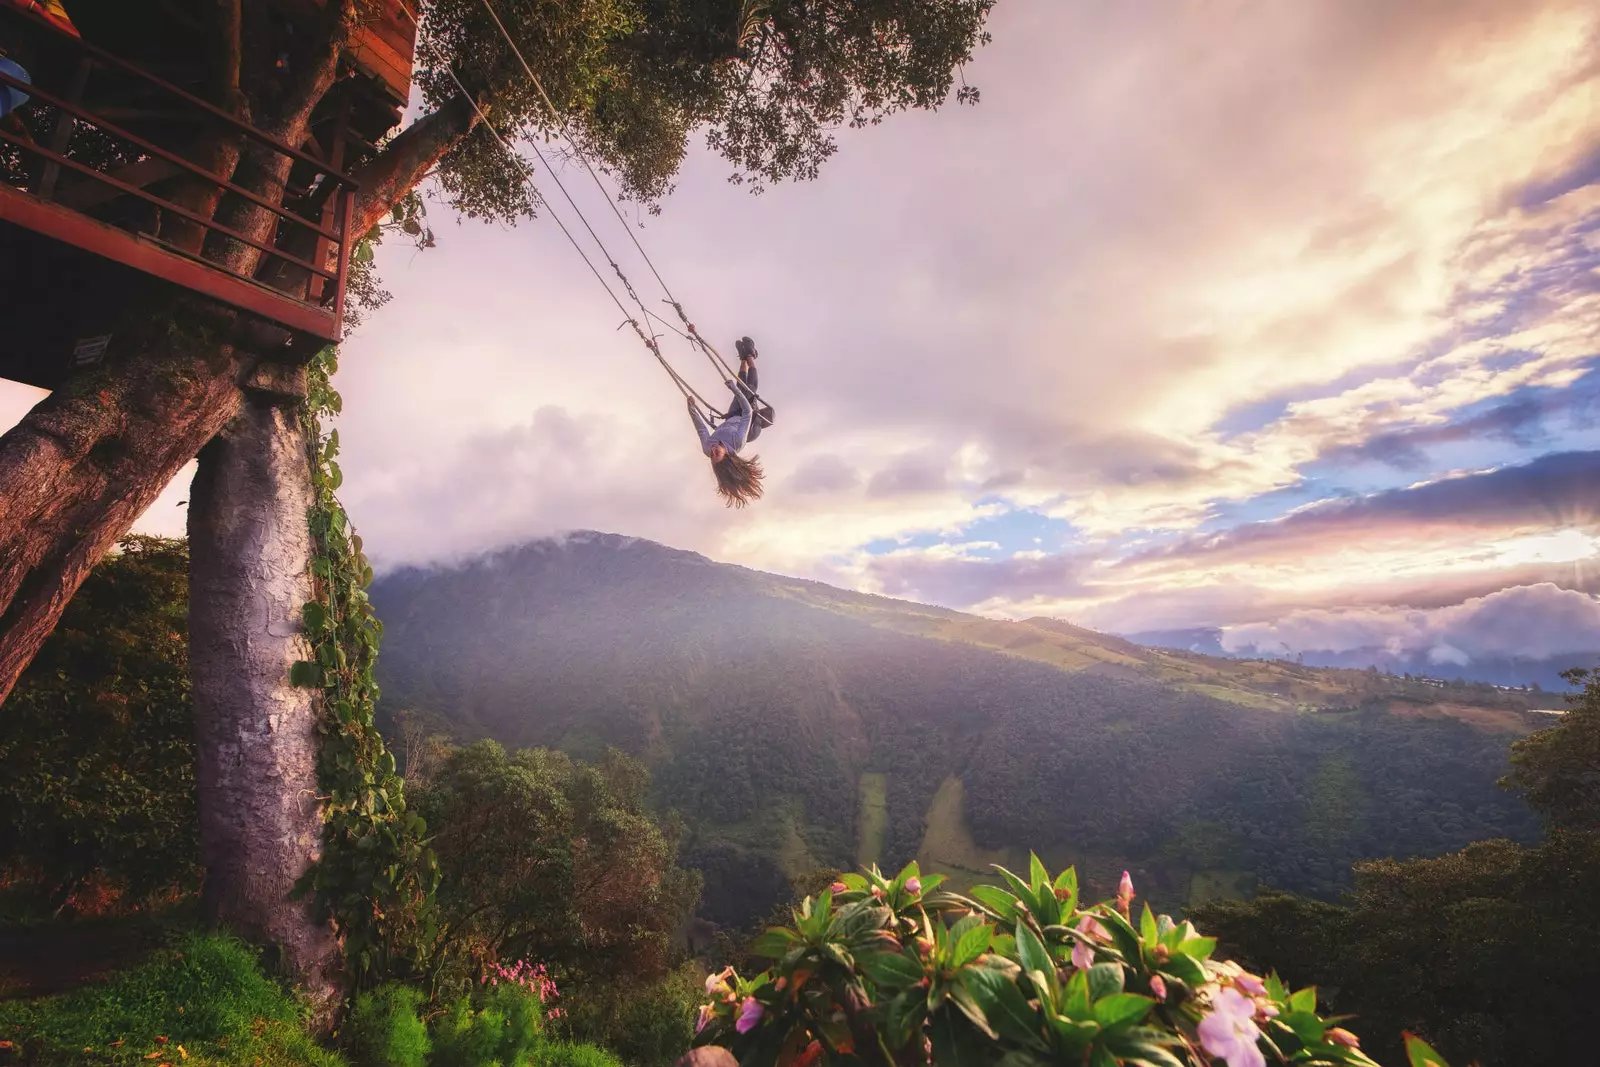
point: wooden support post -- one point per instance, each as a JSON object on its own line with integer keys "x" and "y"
{"x": 61, "y": 136}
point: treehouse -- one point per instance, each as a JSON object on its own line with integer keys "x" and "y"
{"x": 117, "y": 182}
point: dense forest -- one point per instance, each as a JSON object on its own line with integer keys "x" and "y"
{"x": 760, "y": 703}
{"x": 578, "y": 862}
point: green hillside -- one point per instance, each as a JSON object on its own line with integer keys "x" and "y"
{"x": 869, "y": 720}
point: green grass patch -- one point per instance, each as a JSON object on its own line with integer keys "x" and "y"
{"x": 207, "y": 996}
{"x": 873, "y": 820}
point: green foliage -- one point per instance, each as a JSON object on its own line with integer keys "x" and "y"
{"x": 494, "y": 1026}
{"x": 547, "y": 858}
{"x": 1558, "y": 770}
{"x": 1484, "y": 952}
{"x": 384, "y": 1029}
{"x": 647, "y": 1025}
{"x": 376, "y": 876}
{"x": 770, "y": 82}
{"x": 207, "y": 995}
{"x": 563, "y": 1054}
{"x": 893, "y": 971}
{"x": 97, "y": 739}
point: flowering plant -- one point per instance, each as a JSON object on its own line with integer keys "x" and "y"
{"x": 532, "y": 977}
{"x": 895, "y": 972}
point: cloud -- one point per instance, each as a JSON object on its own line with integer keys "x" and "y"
{"x": 1553, "y": 492}
{"x": 1532, "y": 621}
{"x": 954, "y": 576}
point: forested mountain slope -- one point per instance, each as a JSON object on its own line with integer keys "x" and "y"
{"x": 796, "y": 725}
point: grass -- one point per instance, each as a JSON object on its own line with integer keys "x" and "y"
{"x": 948, "y": 847}
{"x": 874, "y": 819}
{"x": 203, "y": 1003}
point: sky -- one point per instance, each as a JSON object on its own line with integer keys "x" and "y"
{"x": 1278, "y": 318}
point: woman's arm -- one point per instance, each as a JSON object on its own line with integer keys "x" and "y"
{"x": 700, "y": 426}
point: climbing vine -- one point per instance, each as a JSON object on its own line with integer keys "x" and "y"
{"x": 376, "y": 875}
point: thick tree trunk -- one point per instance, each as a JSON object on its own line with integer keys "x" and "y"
{"x": 260, "y": 817}
{"x": 90, "y": 458}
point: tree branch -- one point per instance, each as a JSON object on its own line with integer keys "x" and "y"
{"x": 387, "y": 177}
{"x": 317, "y": 75}
{"x": 227, "y": 57}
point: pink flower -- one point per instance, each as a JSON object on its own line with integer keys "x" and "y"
{"x": 1082, "y": 953}
{"x": 704, "y": 1018}
{"x": 837, "y": 888}
{"x": 1251, "y": 985}
{"x": 1082, "y": 956}
{"x": 751, "y": 1014}
{"x": 718, "y": 983}
{"x": 1158, "y": 988}
{"x": 913, "y": 885}
{"x": 1124, "y": 894}
{"x": 1230, "y": 1033}
{"x": 1091, "y": 926}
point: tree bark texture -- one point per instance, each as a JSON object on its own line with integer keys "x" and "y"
{"x": 260, "y": 817}
{"x": 89, "y": 459}
{"x": 80, "y": 468}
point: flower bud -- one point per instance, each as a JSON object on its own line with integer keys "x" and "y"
{"x": 1343, "y": 1037}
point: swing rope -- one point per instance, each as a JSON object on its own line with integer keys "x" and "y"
{"x": 692, "y": 336}
{"x": 650, "y": 341}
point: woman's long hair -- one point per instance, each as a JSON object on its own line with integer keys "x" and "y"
{"x": 738, "y": 479}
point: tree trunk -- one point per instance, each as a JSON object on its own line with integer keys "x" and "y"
{"x": 90, "y": 458}
{"x": 260, "y": 817}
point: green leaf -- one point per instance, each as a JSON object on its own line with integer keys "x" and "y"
{"x": 1102, "y": 1057}
{"x": 1038, "y": 877}
{"x": 1076, "y": 1002}
{"x": 1123, "y": 937}
{"x": 773, "y": 944}
{"x": 904, "y": 1017}
{"x": 996, "y": 900}
{"x": 1306, "y": 1026}
{"x": 963, "y": 999}
{"x": 315, "y": 615}
{"x": 1187, "y": 969}
{"x": 1421, "y": 1054}
{"x": 1007, "y": 1009}
{"x": 1121, "y": 1008}
{"x": 972, "y": 942}
{"x": 1105, "y": 979}
{"x": 1199, "y": 948}
{"x": 305, "y": 675}
{"x": 1304, "y": 1000}
{"x": 891, "y": 970}
{"x": 1147, "y": 926}
{"x": 1031, "y": 952}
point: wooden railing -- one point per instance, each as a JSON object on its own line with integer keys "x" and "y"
{"x": 104, "y": 151}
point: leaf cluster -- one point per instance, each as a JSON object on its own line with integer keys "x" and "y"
{"x": 887, "y": 971}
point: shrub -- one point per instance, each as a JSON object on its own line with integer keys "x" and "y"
{"x": 563, "y": 1054}
{"x": 871, "y": 973}
{"x": 646, "y": 1024}
{"x": 499, "y": 1024}
{"x": 384, "y": 1029}
{"x": 208, "y": 996}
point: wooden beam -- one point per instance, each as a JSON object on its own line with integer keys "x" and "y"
{"x": 89, "y": 193}
{"x": 80, "y": 231}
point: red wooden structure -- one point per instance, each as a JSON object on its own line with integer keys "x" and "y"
{"x": 94, "y": 185}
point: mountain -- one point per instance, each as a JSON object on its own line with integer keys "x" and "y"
{"x": 1506, "y": 671}
{"x": 796, "y": 725}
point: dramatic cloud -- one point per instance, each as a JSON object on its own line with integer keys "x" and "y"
{"x": 1536, "y": 621}
{"x": 1210, "y": 313}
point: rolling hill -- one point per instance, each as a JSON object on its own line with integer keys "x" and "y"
{"x": 796, "y": 726}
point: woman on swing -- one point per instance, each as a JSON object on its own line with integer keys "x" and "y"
{"x": 738, "y": 478}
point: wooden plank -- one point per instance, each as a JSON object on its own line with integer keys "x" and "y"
{"x": 80, "y": 231}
